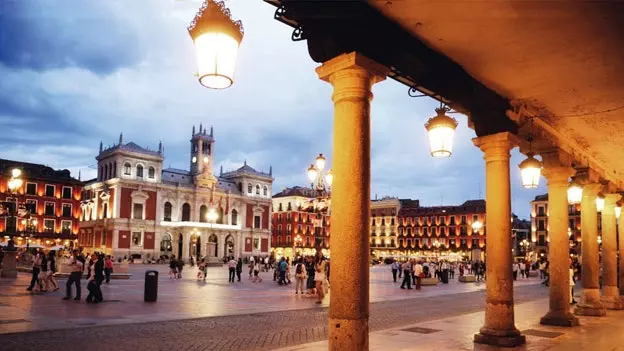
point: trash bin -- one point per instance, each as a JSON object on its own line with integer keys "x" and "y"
{"x": 151, "y": 286}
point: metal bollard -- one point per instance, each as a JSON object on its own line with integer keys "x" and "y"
{"x": 151, "y": 286}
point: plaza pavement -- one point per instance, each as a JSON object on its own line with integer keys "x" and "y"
{"x": 215, "y": 315}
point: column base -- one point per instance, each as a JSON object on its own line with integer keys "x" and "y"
{"x": 560, "y": 319}
{"x": 613, "y": 303}
{"x": 592, "y": 310}
{"x": 348, "y": 334}
{"x": 505, "y": 338}
{"x": 9, "y": 265}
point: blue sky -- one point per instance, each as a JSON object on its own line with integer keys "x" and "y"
{"x": 77, "y": 72}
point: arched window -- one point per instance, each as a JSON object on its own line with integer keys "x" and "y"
{"x": 203, "y": 213}
{"x": 249, "y": 188}
{"x": 151, "y": 173}
{"x": 220, "y": 213}
{"x": 105, "y": 175}
{"x": 186, "y": 213}
{"x": 168, "y": 210}
{"x": 257, "y": 189}
{"x": 110, "y": 171}
{"x": 266, "y": 191}
{"x": 234, "y": 217}
{"x": 127, "y": 168}
{"x": 139, "y": 173}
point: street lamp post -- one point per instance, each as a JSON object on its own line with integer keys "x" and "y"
{"x": 9, "y": 267}
{"x": 318, "y": 179}
{"x": 297, "y": 242}
{"x": 211, "y": 217}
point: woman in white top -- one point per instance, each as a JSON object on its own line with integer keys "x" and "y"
{"x": 319, "y": 276}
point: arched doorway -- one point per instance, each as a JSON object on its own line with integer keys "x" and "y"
{"x": 212, "y": 240}
{"x": 180, "y": 245}
{"x": 166, "y": 244}
{"x": 228, "y": 247}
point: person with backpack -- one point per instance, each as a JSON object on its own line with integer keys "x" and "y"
{"x": 300, "y": 276}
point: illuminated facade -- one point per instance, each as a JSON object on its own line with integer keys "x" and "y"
{"x": 384, "y": 226}
{"x": 298, "y": 226}
{"x": 135, "y": 207}
{"x": 540, "y": 226}
{"x": 452, "y": 232}
{"x": 51, "y": 196}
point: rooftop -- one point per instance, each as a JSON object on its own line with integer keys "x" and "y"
{"x": 36, "y": 171}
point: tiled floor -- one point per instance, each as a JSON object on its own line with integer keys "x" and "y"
{"x": 456, "y": 334}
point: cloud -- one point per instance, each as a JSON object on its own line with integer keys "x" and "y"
{"x": 77, "y": 72}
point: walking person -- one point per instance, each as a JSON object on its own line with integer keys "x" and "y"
{"x": 42, "y": 283}
{"x": 256, "y": 270}
{"x": 418, "y": 274}
{"x": 51, "y": 282}
{"x": 97, "y": 277}
{"x": 108, "y": 268}
{"x": 395, "y": 270}
{"x": 572, "y": 282}
{"x": 239, "y": 269}
{"x": 319, "y": 277}
{"x": 515, "y": 267}
{"x": 300, "y": 276}
{"x": 282, "y": 267}
{"x": 75, "y": 267}
{"x": 180, "y": 267}
{"x": 311, "y": 272}
{"x": 173, "y": 268}
{"x": 36, "y": 269}
{"x": 232, "y": 268}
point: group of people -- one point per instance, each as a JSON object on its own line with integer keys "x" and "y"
{"x": 99, "y": 268}
{"x": 442, "y": 270}
{"x": 176, "y": 266}
{"x": 311, "y": 275}
{"x": 43, "y": 269}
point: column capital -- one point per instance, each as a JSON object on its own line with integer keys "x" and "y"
{"x": 496, "y": 145}
{"x": 352, "y": 61}
{"x": 591, "y": 190}
{"x": 558, "y": 175}
{"x": 611, "y": 200}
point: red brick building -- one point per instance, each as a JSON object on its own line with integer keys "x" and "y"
{"x": 298, "y": 226}
{"x": 137, "y": 208}
{"x": 453, "y": 232}
{"x": 53, "y": 199}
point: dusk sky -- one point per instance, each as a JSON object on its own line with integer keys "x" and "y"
{"x": 77, "y": 72}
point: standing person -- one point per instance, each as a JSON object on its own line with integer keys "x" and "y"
{"x": 572, "y": 281}
{"x": 521, "y": 268}
{"x": 407, "y": 275}
{"x": 300, "y": 276}
{"x": 180, "y": 267}
{"x": 173, "y": 268}
{"x": 108, "y": 268}
{"x": 542, "y": 269}
{"x": 311, "y": 284}
{"x": 36, "y": 269}
{"x": 75, "y": 267}
{"x": 418, "y": 274}
{"x": 319, "y": 277}
{"x": 94, "y": 286}
{"x": 283, "y": 266}
{"x": 452, "y": 270}
{"x": 51, "y": 269}
{"x": 232, "y": 268}
{"x": 395, "y": 269}
{"x": 515, "y": 268}
{"x": 239, "y": 269}
{"x": 527, "y": 269}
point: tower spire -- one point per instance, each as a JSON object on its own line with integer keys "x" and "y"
{"x": 160, "y": 148}
{"x": 245, "y": 163}
{"x": 211, "y": 132}
{"x": 221, "y": 171}
{"x": 193, "y": 130}
{"x": 200, "y": 128}
{"x": 271, "y": 170}
{"x": 121, "y": 138}
{"x": 101, "y": 146}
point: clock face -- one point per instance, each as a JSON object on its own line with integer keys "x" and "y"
{"x": 206, "y": 159}
{"x": 194, "y": 159}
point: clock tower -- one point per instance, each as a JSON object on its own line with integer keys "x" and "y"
{"x": 202, "y": 157}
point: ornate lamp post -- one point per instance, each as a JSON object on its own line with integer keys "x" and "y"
{"x": 297, "y": 242}
{"x": 318, "y": 178}
{"x": 524, "y": 246}
{"x": 216, "y": 37}
{"x": 14, "y": 185}
{"x": 211, "y": 217}
{"x": 476, "y": 226}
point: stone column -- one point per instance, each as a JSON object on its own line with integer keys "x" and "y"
{"x": 352, "y": 76}
{"x": 590, "y": 301}
{"x": 610, "y": 290}
{"x": 499, "y": 328}
{"x": 559, "y": 249}
{"x": 621, "y": 258}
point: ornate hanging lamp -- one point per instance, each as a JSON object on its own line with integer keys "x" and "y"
{"x": 441, "y": 132}
{"x": 530, "y": 168}
{"x": 575, "y": 192}
{"x": 216, "y": 37}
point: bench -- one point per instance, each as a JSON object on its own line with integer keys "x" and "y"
{"x": 467, "y": 278}
{"x": 429, "y": 281}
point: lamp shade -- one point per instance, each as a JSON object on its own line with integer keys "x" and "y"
{"x": 600, "y": 202}
{"x": 618, "y": 210}
{"x": 320, "y": 162}
{"x": 312, "y": 173}
{"x": 441, "y": 132}
{"x": 329, "y": 178}
{"x": 217, "y": 38}
{"x": 530, "y": 171}
{"x": 575, "y": 193}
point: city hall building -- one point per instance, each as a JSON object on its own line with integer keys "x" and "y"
{"x": 137, "y": 208}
